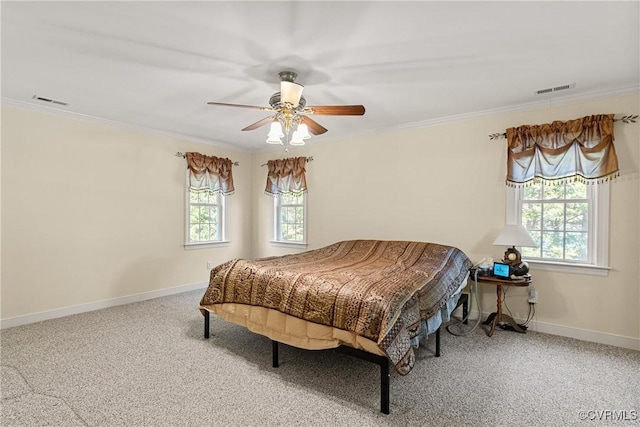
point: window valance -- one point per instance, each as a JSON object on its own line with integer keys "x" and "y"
{"x": 210, "y": 173}
{"x": 580, "y": 149}
{"x": 286, "y": 176}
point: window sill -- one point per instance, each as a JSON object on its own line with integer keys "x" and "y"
{"x": 563, "y": 267}
{"x": 281, "y": 244}
{"x": 206, "y": 245}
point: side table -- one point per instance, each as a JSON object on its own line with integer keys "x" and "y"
{"x": 499, "y": 317}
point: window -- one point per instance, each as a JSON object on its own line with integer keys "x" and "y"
{"x": 568, "y": 221}
{"x": 205, "y": 217}
{"x": 290, "y": 218}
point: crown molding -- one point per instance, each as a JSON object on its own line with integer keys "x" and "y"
{"x": 546, "y": 103}
{"x": 114, "y": 123}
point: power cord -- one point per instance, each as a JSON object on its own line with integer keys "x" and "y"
{"x": 531, "y": 314}
{"x": 523, "y": 325}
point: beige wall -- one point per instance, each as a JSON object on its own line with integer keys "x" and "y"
{"x": 93, "y": 212}
{"x": 445, "y": 184}
{"x": 113, "y": 203}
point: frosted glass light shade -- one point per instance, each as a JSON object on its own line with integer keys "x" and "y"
{"x": 296, "y": 138}
{"x": 275, "y": 133}
{"x": 303, "y": 130}
{"x": 514, "y": 235}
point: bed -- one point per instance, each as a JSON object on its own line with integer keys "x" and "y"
{"x": 374, "y": 299}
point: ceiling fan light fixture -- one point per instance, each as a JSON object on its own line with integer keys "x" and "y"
{"x": 296, "y": 138}
{"x": 274, "y": 141}
{"x": 275, "y": 133}
{"x": 290, "y": 92}
{"x": 303, "y": 131}
{"x": 291, "y": 120}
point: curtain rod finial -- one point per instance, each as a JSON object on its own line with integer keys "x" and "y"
{"x": 627, "y": 118}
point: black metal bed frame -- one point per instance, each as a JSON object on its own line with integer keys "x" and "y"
{"x": 382, "y": 361}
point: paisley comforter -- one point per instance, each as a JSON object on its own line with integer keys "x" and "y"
{"x": 381, "y": 290}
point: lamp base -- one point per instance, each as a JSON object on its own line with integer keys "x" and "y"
{"x": 512, "y": 256}
{"x": 521, "y": 269}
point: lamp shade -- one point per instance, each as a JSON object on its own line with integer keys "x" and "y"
{"x": 514, "y": 235}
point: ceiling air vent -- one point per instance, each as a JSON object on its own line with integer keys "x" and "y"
{"x": 555, "y": 89}
{"x": 49, "y": 100}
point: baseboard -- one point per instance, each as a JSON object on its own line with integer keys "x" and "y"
{"x": 10, "y": 322}
{"x": 576, "y": 333}
{"x": 535, "y": 325}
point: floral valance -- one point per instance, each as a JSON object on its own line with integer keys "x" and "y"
{"x": 580, "y": 149}
{"x": 286, "y": 176}
{"x": 210, "y": 173}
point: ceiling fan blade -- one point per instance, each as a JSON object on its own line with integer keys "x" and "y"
{"x": 255, "y": 107}
{"x": 314, "y": 127}
{"x": 260, "y": 123}
{"x": 336, "y": 110}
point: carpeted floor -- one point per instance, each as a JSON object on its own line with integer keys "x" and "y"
{"x": 148, "y": 364}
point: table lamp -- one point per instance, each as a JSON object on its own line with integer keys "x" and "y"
{"x": 514, "y": 235}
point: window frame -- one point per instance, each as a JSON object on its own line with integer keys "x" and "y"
{"x": 598, "y": 232}
{"x": 222, "y": 206}
{"x": 277, "y": 235}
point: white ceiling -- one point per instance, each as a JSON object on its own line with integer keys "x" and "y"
{"x": 155, "y": 64}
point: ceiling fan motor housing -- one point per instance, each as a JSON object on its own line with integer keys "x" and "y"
{"x": 287, "y": 76}
{"x": 276, "y": 103}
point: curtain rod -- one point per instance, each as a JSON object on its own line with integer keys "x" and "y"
{"x": 184, "y": 156}
{"x": 309, "y": 159}
{"x": 626, "y": 119}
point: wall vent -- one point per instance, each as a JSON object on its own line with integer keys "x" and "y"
{"x": 541, "y": 91}
{"x": 555, "y": 89}
{"x": 49, "y": 100}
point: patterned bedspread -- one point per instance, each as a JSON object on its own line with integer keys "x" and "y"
{"x": 380, "y": 290}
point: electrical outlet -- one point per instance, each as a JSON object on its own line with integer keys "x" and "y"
{"x": 209, "y": 265}
{"x": 533, "y": 296}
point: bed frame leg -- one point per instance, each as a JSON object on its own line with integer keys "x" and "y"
{"x": 465, "y": 309}
{"x": 383, "y": 361}
{"x": 438, "y": 343}
{"x": 384, "y": 388}
{"x": 206, "y": 324}
{"x": 274, "y": 347}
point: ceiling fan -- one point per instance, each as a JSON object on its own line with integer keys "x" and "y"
{"x": 291, "y": 112}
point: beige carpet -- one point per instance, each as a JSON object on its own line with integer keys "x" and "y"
{"x": 148, "y": 364}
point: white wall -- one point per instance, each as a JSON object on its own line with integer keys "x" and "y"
{"x": 92, "y": 212}
{"x": 445, "y": 184}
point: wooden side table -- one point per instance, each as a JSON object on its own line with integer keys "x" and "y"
{"x": 499, "y": 317}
